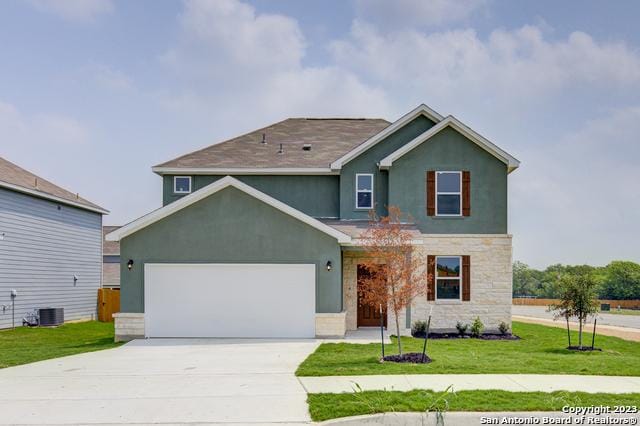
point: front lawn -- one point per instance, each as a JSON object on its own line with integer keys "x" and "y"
{"x": 24, "y": 345}
{"x": 325, "y": 406}
{"x": 541, "y": 351}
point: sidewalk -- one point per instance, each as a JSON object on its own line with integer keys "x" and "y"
{"x": 440, "y": 382}
{"x": 626, "y": 333}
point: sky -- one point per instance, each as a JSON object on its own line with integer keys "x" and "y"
{"x": 95, "y": 92}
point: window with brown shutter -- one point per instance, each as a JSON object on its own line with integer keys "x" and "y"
{"x": 466, "y": 278}
{"x": 431, "y": 193}
{"x": 431, "y": 271}
{"x": 466, "y": 193}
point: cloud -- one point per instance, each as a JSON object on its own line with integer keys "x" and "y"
{"x": 416, "y": 13}
{"x": 229, "y": 59}
{"x": 74, "y": 10}
{"x": 110, "y": 78}
{"x": 576, "y": 199}
{"x": 40, "y": 129}
{"x": 518, "y": 68}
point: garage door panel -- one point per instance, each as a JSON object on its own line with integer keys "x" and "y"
{"x": 230, "y": 300}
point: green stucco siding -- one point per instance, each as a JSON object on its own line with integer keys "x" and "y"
{"x": 450, "y": 150}
{"x": 367, "y": 163}
{"x": 230, "y": 226}
{"x": 317, "y": 196}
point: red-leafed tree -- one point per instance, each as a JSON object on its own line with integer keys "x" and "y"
{"x": 396, "y": 270}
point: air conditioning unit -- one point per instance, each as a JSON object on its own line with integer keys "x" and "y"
{"x": 51, "y": 316}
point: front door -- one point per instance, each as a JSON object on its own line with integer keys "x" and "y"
{"x": 368, "y": 316}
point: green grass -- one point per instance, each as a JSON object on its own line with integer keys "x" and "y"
{"x": 325, "y": 406}
{"x": 622, "y": 312}
{"x": 541, "y": 351}
{"x": 24, "y": 345}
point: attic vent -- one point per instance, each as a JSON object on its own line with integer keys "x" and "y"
{"x": 306, "y": 147}
{"x": 280, "y": 150}
{"x": 264, "y": 139}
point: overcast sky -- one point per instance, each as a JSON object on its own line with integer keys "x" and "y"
{"x": 95, "y": 92}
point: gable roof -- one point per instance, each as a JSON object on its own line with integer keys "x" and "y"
{"x": 109, "y": 248}
{"x": 18, "y": 179}
{"x": 450, "y": 121}
{"x": 421, "y": 109}
{"x": 329, "y": 138}
{"x": 212, "y": 188}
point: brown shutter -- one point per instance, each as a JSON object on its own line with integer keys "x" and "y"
{"x": 466, "y": 193}
{"x": 466, "y": 278}
{"x": 431, "y": 193}
{"x": 431, "y": 271}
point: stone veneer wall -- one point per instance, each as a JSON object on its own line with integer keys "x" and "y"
{"x": 330, "y": 325}
{"x": 491, "y": 283}
{"x": 128, "y": 326}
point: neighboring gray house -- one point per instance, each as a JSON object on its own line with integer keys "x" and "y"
{"x": 260, "y": 235}
{"x": 50, "y": 247}
{"x": 110, "y": 260}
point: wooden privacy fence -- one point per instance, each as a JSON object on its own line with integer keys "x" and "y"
{"x": 625, "y": 304}
{"x": 108, "y": 303}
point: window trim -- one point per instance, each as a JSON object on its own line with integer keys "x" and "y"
{"x": 459, "y": 299}
{"x": 175, "y": 191}
{"x": 459, "y": 193}
{"x": 365, "y": 190}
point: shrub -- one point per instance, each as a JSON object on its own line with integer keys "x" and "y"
{"x": 462, "y": 328}
{"x": 419, "y": 327}
{"x": 503, "y": 327}
{"x": 477, "y": 327}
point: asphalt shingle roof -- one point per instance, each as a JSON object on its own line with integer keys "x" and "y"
{"x": 330, "y": 138}
{"x": 17, "y": 176}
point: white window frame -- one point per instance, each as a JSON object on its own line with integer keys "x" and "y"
{"x": 175, "y": 191}
{"x": 459, "y": 173}
{"x": 459, "y": 299}
{"x": 365, "y": 190}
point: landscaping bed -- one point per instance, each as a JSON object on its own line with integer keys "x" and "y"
{"x": 411, "y": 357}
{"x": 541, "y": 350}
{"x": 325, "y": 406}
{"x": 453, "y": 335}
{"x": 24, "y": 345}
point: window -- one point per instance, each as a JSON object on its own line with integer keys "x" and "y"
{"x": 181, "y": 184}
{"x": 448, "y": 277}
{"x": 364, "y": 191}
{"x": 448, "y": 193}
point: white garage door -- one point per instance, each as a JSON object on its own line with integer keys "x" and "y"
{"x": 229, "y": 300}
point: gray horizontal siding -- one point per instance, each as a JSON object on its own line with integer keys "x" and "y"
{"x": 43, "y": 248}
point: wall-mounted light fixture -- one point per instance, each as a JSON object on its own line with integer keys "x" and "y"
{"x": 329, "y": 265}
{"x": 75, "y": 279}
{"x": 130, "y": 264}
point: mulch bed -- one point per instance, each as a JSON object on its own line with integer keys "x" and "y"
{"x": 584, "y": 348}
{"x": 484, "y": 336}
{"x": 411, "y": 357}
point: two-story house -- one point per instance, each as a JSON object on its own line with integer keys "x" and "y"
{"x": 260, "y": 235}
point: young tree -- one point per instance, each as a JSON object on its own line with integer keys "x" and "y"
{"x": 396, "y": 270}
{"x": 578, "y": 298}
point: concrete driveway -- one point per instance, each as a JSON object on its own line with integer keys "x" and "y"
{"x": 168, "y": 381}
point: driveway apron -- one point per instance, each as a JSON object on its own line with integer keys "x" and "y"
{"x": 162, "y": 381}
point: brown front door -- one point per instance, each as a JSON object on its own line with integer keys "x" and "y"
{"x": 368, "y": 316}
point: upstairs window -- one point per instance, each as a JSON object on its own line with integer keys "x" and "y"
{"x": 182, "y": 184}
{"x": 448, "y": 193}
{"x": 448, "y": 277}
{"x": 364, "y": 191}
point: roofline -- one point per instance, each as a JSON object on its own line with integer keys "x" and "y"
{"x": 50, "y": 197}
{"x": 244, "y": 171}
{"x": 511, "y": 162}
{"x": 421, "y": 109}
{"x": 212, "y": 188}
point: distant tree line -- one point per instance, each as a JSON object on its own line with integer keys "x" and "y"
{"x": 619, "y": 280}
